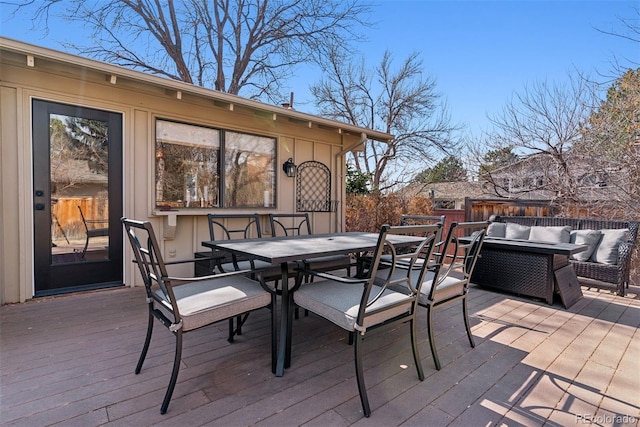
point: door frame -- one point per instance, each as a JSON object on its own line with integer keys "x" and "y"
{"x": 110, "y": 270}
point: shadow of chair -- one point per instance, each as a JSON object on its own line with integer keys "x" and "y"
{"x": 186, "y": 304}
{"x": 457, "y": 256}
{"x": 91, "y": 231}
{"x": 364, "y": 305}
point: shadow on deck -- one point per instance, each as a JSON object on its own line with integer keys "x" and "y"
{"x": 70, "y": 360}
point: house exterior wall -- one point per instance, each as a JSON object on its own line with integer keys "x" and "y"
{"x": 140, "y": 104}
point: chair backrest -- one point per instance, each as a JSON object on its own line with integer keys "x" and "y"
{"x": 146, "y": 251}
{"x": 290, "y": 224}
{"x": 234, "y": 226}
{"x": 404, "y": 258}
{"x": 421, "y": 219}
{"x": 84, "y": 221}
{"x": 424, "y": 219}
{"x": 228, "y": 227}
{"x": 458, "y": 254}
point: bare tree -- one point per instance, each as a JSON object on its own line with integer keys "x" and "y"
{"x": 234, "y": 46}
{"x": 630, "y": 31}
{"x": 398, "y": 101}
{"x": 610, "y": 149}
{"x": 541, "y": 123}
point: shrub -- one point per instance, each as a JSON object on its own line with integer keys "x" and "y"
{"x": 368, "y": 212}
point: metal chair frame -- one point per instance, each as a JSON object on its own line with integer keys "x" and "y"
{"x": 372, "y": 295}
{"x": 226, "y": 262}
{"x": 461, "y": 256}
{"x": 91, "y": 232}
{"x": 163, "y": 304}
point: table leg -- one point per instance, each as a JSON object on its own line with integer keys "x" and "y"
{"x": 283, "y": 336}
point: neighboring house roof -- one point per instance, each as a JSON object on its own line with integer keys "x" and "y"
{"x": 116, "y": 73}
{"x": 530, "y": 178}
{"x": 457, "y": 191}
{"x": 76, "y": 172}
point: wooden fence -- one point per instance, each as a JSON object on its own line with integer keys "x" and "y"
{"x": 66, "y": 220}
{"x": 482, "y": 209}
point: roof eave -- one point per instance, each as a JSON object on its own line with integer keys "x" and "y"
{"x": 187, "y": 88}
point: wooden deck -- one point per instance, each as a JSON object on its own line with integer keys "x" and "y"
{"x": 69, "y": 361}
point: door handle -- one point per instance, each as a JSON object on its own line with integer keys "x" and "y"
{"x": 39, "y": 206}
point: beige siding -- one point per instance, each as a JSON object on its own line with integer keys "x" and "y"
{"x": 140, "y": 104}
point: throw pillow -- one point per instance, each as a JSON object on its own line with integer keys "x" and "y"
{"x": 607, "y": 250}
{"x": 517, "y": 231}
{"x": 585, "y": 237}
{"x": 560, "y": 234}
{"x": 497, "y": 229}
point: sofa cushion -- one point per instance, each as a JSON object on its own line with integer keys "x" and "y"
{"x": 585, "y": 237}
{"x": 517, "y": 231}
{"x": 556, "y": 234}
{"x": 497, "y": 229}
{"x": 606, "y": 252}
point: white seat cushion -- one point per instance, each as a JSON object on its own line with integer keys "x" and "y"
{"x": 449, "y": 287}
{"x": 339, "y": 302}
{"x": 208, "y": 301}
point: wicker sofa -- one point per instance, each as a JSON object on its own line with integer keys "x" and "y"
{"x": 617, "y": 272}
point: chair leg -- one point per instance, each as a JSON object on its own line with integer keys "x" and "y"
{"x": 465, "y": 313}
{"x": 432, "y": 343}
{"x": 147, "y": 341}
{"x": 240, "y": 319}
{"x": 274, "y": 340}
{"x": 231, "y": 330}
{"x": 360, "y": 375}
{"x": 86, "y": 245}
{"x": 174, "y": 373}
{"x": 414, "y": 346}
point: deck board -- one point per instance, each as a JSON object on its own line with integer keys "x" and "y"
{"x": 69, "y": 360}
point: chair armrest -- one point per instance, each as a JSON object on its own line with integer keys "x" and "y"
{"x": 346, "y": 280}
{"x": 624, "y": 255}
{"x": 179, "y": 280}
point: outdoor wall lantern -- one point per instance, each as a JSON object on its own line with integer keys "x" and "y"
{"x": 289, "y": 168}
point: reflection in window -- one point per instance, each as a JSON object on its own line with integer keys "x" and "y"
{"x": 186, "y": 165}
{"x": 189, "y": 161}
{"x": 249, "y": 170}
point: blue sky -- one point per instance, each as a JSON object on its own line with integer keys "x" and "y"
{"x": 479, "y": 52}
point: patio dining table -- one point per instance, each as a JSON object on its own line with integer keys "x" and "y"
{"x": 282, "y": 250}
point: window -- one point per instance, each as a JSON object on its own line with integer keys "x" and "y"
{"x": 189, "y": 161}
{"x": 249, "y": 170}
{"x": 444, "y": 204}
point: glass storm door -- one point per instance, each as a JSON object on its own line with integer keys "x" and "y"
{"x": 77, "y": 198}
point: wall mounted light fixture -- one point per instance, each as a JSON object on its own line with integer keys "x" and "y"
{"x": 289, "y": 168}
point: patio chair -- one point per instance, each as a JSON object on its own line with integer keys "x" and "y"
{"x": 186, "y": 304}
{"x": 363, "y": 260}
{"x": 237, "y": 226}
{"x": 298, "y": 225}
{"x": 422, "y": 220}
{"x": 364, "y": 305}
{"x": 457, "y": 255}
{"x": 91, "y": 231}
{"x": 234, "y": 226}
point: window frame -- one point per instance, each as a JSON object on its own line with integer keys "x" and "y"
{"x": 220, "y": 168}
